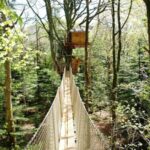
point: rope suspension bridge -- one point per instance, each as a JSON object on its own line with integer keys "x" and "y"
{"x": 67, "y": 125}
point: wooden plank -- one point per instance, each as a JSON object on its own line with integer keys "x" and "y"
{"x": 67, "y": 140}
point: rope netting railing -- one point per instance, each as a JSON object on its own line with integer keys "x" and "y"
{"x": 47, "y": 135}
{"x": 88, "y": 136}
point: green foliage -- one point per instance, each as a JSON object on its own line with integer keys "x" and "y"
{"x": 34, "y": 81}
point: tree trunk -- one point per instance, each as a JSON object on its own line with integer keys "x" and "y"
{"x": 8, "y": 104}
{"x": 38, "y": 90}
{"x": 50, "y": 33}
{"x": 139, "y": 60}
{"x": 147, "y": 3}
{"x": 119, "y": 37}
{"x": 114, "y": 83}
{"x": 87, "y": 80}
{"x": 109, "y": 71}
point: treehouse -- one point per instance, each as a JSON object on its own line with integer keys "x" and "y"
{"x": 76, "y": 39}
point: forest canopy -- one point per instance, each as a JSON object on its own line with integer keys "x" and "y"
{"x": 111, "y": 67}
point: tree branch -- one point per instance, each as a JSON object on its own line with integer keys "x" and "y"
{"x": 44, "y": 26}
{"x": 130, "y": 8}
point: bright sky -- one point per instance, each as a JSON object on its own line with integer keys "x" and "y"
{"x": 28, "y": 13}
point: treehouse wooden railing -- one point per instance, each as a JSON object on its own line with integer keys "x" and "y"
{"x": 67, "y": 124}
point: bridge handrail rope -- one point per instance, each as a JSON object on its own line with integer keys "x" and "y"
{"x": 47, "y": 136}
{"x": 88, "y": 136}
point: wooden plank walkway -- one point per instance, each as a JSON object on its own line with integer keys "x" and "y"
{"x": 67, "y": 139}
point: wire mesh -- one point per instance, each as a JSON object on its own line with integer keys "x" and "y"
{"x": 48, "y": 135}
{"x": 88, "y": 136}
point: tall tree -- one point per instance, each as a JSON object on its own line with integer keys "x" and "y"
{"x": 7, "y": 86}
{"x": 116, "y": 54}
{"x": 87, "y": 78}
{"x": 114, "y": 82}
{"x": 147, "y": 3}
{"x": 8, "y": 41}
{"x": 49, "y": 30}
